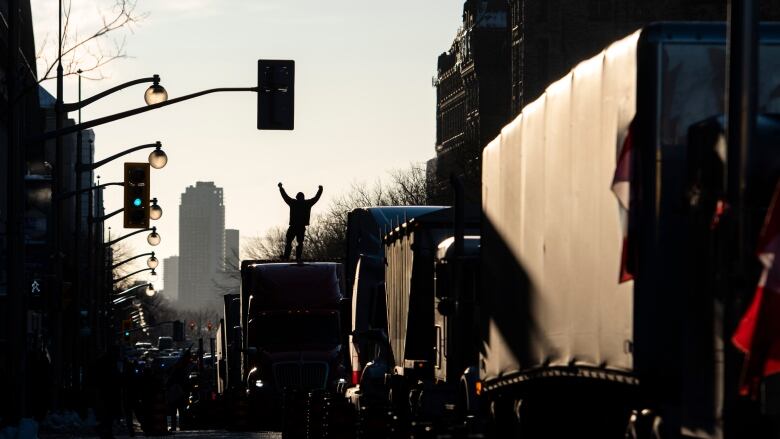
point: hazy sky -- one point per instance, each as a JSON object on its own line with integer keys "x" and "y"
{"x": 364, "y": 99}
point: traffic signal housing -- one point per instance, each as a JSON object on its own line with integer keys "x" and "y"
{"x": 136, "y": 213}
{"x": 127, "y": 325}
{"x": 275, "y": 94}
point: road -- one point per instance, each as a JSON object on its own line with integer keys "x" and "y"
{"x": 196, "y": 434}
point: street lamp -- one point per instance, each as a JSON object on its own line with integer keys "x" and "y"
{"x": 155, "y": 212}
{"x": 152, "y": 262}
{"x": 156, "y": 93}
{"x": 153, "y": 238}
{"x": 134, "y": 273}
{"x": 157, "y": 158}
{"x": 124, "y": 295}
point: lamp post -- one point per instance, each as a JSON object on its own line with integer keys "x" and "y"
{"x": 124, "y": 295}
{"x": 152, "y": 262}
{"x": 120, "y": 279}
{"x": 153, "y": 238}
{"x": 155, "y": 93}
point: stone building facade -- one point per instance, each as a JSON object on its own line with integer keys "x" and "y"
{"x": 472, "y": 95}
{"x": 508, "y": 51}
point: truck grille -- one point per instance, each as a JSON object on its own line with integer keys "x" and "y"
{"x": 304, "y": 376}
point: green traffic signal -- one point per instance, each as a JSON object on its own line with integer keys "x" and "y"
{"x": 136, "y": 183}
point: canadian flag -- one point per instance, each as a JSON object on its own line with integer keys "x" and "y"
{"x": 621, "y": 187}
{"x": 758, "y": 333}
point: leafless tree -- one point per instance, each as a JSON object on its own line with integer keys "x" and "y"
{"x": 91, "y": 50}
{"x": 229, "y": 279}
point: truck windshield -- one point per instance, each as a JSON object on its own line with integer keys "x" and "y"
{"x": 274, "y": 331}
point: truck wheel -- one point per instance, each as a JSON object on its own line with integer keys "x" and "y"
{"x": 504, "y": 418}
{"x": 644, "y": 424}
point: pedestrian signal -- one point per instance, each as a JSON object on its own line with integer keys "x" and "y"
{"x": 136, "y": 212}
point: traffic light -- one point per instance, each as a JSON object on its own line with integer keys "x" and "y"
{"x": 136, "y": 211}
{"x": 178, "y": 330}
{"x": 127, "y": 325}
{"x": 275, "y": 94}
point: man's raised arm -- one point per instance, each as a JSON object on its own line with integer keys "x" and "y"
{"x": 286, "y": 197}
{"x": 316, "y": 197}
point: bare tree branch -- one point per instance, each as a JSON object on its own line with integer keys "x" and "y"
{"x": 76, "y": 51}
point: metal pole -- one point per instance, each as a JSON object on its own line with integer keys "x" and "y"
{"x": 56, "y": 213}
{"x": 741, "y": 83}
{"x": 78, "y": 297}
{"x": 17, "y": 330}
{"x": 741, "y": 98}
{"x": 96, "y": 307}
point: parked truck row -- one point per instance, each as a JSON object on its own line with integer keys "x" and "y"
{"x": 588, "y": 295}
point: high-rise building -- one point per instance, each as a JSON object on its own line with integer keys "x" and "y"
{"x": 171, "y": 277}
{"x": 201, "y": 245}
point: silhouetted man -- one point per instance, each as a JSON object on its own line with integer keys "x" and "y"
{"x": 300, "y": 212}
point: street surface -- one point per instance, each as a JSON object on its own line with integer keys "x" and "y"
{"x": 195, "y": 434}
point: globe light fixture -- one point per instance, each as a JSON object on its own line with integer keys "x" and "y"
{"x": 155, "y": 212}
{"x": 150, "y": 290}
{"x": 157, "y": 158}
{"x": 152, "y": 262}
{"x": 154, "y": 237}
{"x": 156, "y": 93}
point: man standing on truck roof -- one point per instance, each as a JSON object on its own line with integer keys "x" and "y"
{"x": 300, "y": 212}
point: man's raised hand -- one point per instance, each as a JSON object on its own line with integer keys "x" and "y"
{"x": 280, "y": 184}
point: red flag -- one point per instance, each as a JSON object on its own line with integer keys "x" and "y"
{"x": 621, "y": 187}
{"x": 758, "y": 333}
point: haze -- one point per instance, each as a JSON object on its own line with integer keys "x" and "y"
{"x": 364, "y": 99}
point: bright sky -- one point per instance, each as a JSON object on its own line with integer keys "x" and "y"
{"x": 364, "y": 99}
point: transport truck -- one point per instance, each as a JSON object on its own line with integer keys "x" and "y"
{"x": 607, "y": 305}
{"x": 370, "y": 354}
{"x": 294, "y": 344}
{"x": 412, "y": 253}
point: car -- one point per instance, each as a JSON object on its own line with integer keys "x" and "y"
{"x": 164, "y": 343}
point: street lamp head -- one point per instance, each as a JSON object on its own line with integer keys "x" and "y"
{"x": 156, "y": 93}
{"x": 152, "y": 262}
{"x": 157, "y": 158}
{"x": 150, "y": 290}
{"x": 155, "y": 212}
{"x": 154, "y": 237}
